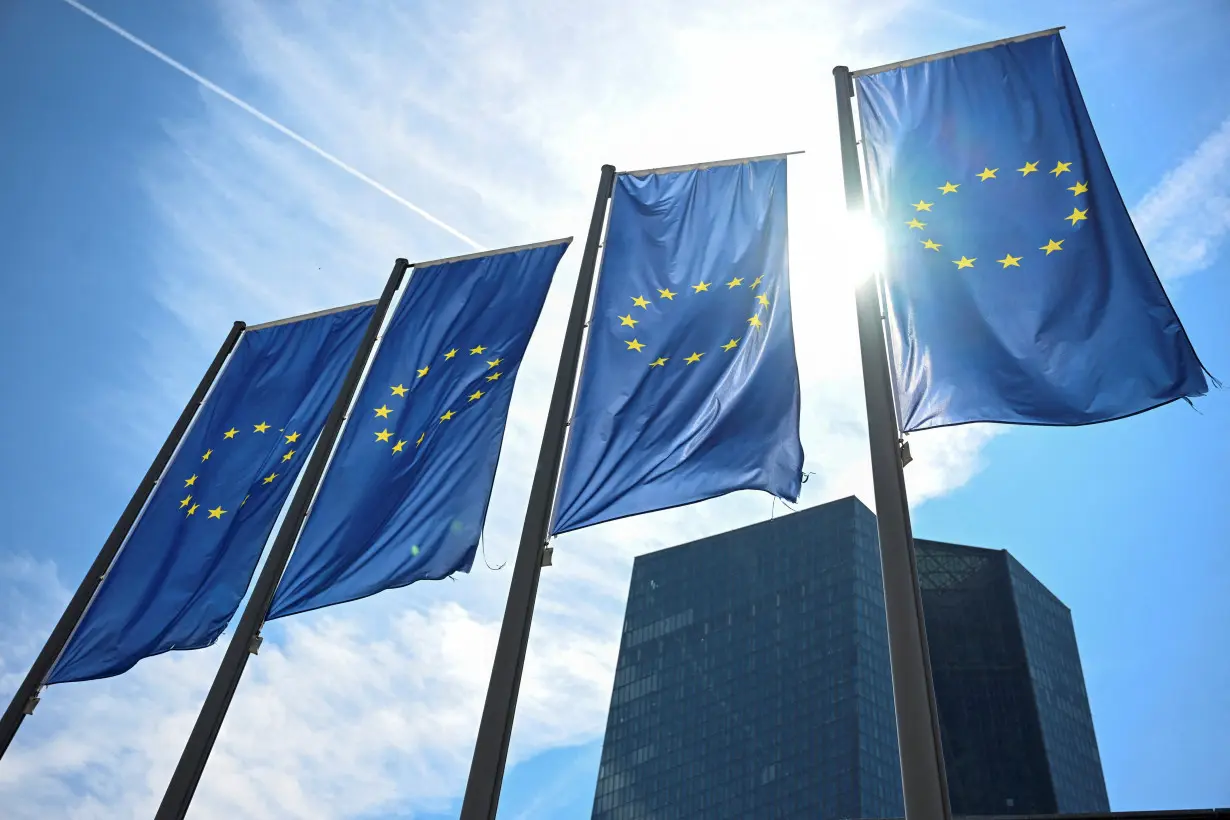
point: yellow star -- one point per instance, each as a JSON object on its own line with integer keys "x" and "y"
{"x": 230, "y": 433}
{"x": 754, "y": 321}
{"x": 451, "y": 353}
{"x": 475, "y": 351}
{"x": 448, "y": 415}
{"x": 1052, "y": 246}
{"x": 399, "y": 390}
{"x": 420, "y": 440}
{"x": 217, "y": 512}
{"x": 694, "y": 358}
{"x": 734, "y": 282}
{"x": 666, "y": 293}
{"x": 260, "y": 428}
{"x": 1060, "y": 167}
{"x": 627, "y": 321}
{"x": 208, "y": 453}
{"x": 289, "y": 455}
{"x": 493, "y": 376}
{"x": 292, "y": 438}
{"x": 987, "y": 173}
{"x": 659, "y": 362}
{"x": 245, "y": 500}
{"x": 1077, "y": 215}
{"x": 269, "y": 478}
{"x": 422, "y": 371}
{"x": 931, "y": 246}
{"x": 1078, "y": 189}
{"x": 476, "y": 395}
{"x": 185, "y": 502}
{"x": 382, "y": 412}
{"x": 701, "y": 286}
{"x": 192, "y": 509}
{"x": 635, "y": 345}
{"x": 731, "y": 345}
{"x": 762, "y": 299}
{"x": 756, "y": 282}
{"x": 949, "y": 188}
{"x": 190, "y": 481}
{"x": 496, "y": 363}
{"x": 1030, "y": 167}
{"x": 384, "y": 435}
{"x": 397, "y": 448}
{"x": 921, "y": 205}
{"x": 964, "y": 263}
{"x": 914, "y": 223}
{"x": 1010, "y": 261}
{"x": 640, "y": 302}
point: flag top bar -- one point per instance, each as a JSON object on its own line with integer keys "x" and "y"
{"x": 480, "y": 254}
{"x": 862, "y": 72}
{"x": 698, "y": 166}
{"x": 304, "y": 316}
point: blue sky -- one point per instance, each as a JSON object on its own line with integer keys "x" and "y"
{"x": 144, "y": 214}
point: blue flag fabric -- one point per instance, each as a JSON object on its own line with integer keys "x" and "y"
{"x": 1016, "y": 287}
{"x": 406, "y": 494}
{"x": 188, "y": 560}
{"x": 689, "y": 387}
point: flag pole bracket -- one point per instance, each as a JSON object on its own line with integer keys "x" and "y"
{"x": 31, "y": 705}
{"x": 254, "y": 646}
{"x": 547, "y": 552}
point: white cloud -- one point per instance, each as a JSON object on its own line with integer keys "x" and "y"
{"x": 336, "y": 720}
{"x": 494, "y": 116}
{"x": 1184, "y": 219}
{"x": 31, "y": 592}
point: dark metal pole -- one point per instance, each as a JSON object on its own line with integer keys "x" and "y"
{"x": 495, "y": 730}
{"x": 918, "y": 727}
{"x": 245, "y": 640}
{"x": 26, "y": 697}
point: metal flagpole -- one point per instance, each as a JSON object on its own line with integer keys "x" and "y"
{"x": 246, "y": 639}
{"x": 918, "y": 727}
{"x": 26, "y": 697}
{"x": 495, "y": 730}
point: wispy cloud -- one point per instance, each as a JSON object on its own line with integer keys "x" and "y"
{"x": 495, "y": 116}
{"x": 1185, "y": 218}
{"x": 267, "y": 120}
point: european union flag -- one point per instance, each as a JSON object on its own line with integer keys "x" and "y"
{"x": 188, "y": 560}
{"x": 407, "y": 491}
{"x": 689, "y": 386}
{"x": 1016, "y": 287}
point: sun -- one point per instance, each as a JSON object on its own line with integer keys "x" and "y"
{"x": 860, "y": 251}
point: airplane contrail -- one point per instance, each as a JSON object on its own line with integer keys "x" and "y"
{"x": 271, "y": 122}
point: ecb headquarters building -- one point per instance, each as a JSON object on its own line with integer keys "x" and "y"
{"x": 753, "y": 681}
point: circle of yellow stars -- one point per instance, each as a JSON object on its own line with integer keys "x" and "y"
{"x": 401, "y": 391}
{"x": 754, "y": 322}
{"x": 986, "y": 175}
{"x": 189, "y": 503}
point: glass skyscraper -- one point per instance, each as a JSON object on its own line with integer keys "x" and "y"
{"x": 1014, "y": 715}
{"x": 753, "y": 681}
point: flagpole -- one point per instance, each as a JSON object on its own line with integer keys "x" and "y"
{"x": 482, "y": 794}
{"x": 923, "y": 780}
{"x": 246, "y": 640}
{"x": 26, "y": 697}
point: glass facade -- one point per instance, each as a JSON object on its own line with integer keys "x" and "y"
{"x": 1014, "y": 715}
{"x": 1059, "y": 691}
{"x": 753, "y": 678}
{"x": 753, "y": 681}
{"x": 993, "y": 749}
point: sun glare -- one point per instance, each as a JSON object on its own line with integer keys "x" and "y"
{"x": 860, "y": 250}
